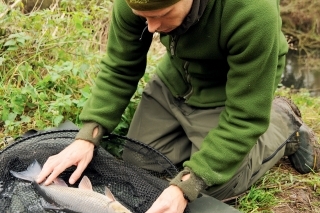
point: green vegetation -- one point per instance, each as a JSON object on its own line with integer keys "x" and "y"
{"x": 49, "y": 60}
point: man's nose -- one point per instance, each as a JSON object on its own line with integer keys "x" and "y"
{"x": 153, "y": 25}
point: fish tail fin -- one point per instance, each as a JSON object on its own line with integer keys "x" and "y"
{"x": 30, "y": 174}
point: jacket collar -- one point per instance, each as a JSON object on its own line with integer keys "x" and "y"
{"x": 197, "y": 9}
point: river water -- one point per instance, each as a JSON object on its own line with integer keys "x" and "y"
{"x": 302, "y": 72}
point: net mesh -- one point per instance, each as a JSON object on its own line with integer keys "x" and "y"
{"x": 134, "y": 187}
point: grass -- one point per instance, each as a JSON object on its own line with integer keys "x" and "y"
{"x": 45, "y": 73}
{"x": 48, "y": 62}
{"x": 280, "y": 188}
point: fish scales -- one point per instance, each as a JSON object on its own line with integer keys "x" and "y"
{"x": 80, "y": 200}
{"x": 75, "y": 199}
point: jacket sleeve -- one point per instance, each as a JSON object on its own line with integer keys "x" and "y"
{"x": 255, "y": 46}
{"x": 120, "y": 70}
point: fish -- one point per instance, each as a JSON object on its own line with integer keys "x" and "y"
{"x": 69, "y": 199}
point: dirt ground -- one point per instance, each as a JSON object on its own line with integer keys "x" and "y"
{"x": 300, "y": 197}
{"x": 299, "y": 200}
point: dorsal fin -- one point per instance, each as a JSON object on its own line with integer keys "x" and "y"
{"x": 60, "y": 182}
{"x": 85, "y": 183}
{"x": 109, "y": 194}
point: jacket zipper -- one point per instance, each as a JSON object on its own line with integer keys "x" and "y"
{"x": 173, "y": 45}
{"x": 274, "y": 154}
{"x": 188, "y": 78}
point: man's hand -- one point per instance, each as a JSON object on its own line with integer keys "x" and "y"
{"x": 171, "y": 200}
{"x": 78, "y": 153}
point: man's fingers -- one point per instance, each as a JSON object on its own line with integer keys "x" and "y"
{"x": 51, "y": 170}
{"x": 55, "y": 172}
{"x": 77, "y": 173}
{"x": 79, "y": 153}
{"x": 42, "y": 176}
{"x": 170, "y": 201}
{"x": 48, "y": 167}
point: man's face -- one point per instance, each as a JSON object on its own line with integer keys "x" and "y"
{"x": 167, "y": 19}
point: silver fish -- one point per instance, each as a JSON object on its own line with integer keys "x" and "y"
{"x": 82, "y": 199}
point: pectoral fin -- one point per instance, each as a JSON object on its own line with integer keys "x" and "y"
{"x": 48, "y": 206}
{"x": 60, "y": 182}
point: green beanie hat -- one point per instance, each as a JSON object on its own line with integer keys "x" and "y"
{"x": 146, "y": 5}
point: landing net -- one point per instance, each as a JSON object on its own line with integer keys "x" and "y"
{"x": 134, "y": 187}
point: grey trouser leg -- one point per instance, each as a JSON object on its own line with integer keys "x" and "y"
{"x": 177, "y": 130}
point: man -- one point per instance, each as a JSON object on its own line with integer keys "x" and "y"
{"x": 211, "y": 103}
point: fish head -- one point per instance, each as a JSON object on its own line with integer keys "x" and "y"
{"x": 118, "y": 207}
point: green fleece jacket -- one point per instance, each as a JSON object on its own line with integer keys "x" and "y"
{"x": 233, "y": 57}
